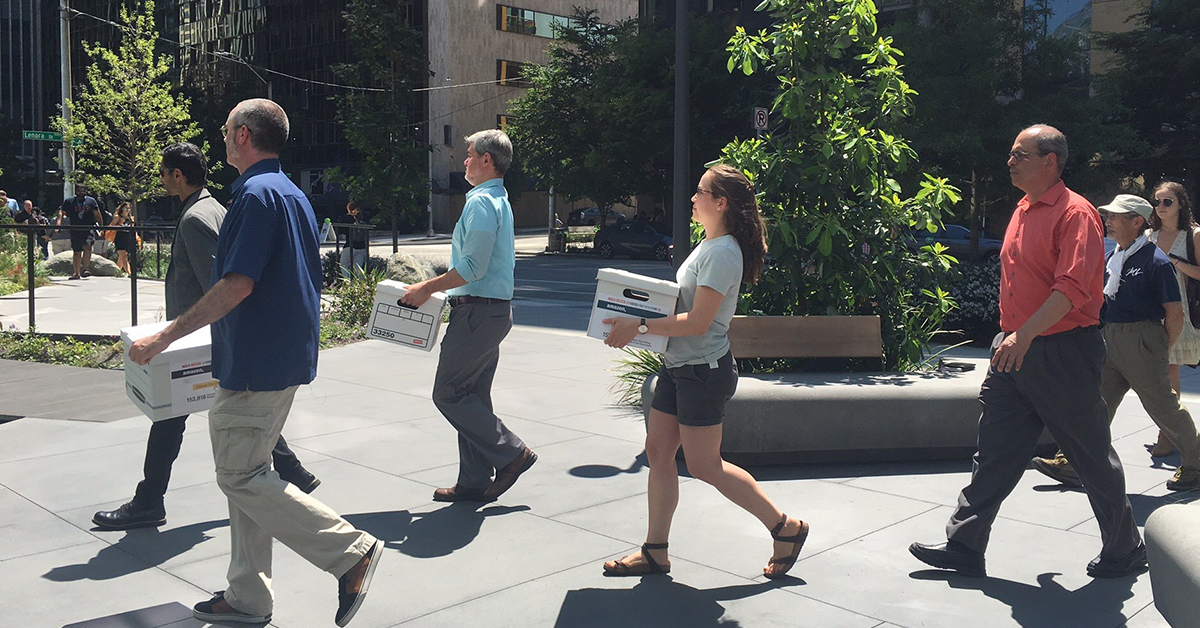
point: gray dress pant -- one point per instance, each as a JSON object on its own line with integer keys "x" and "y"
{"x": 462, "y": 390}
{"x": 1058, "y": 387}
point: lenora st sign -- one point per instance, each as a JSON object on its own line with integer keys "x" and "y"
{"x": 42, "y": 136}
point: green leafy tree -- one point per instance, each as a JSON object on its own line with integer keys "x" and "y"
{"x": 126, "y": 112}
{"x": 379, "y": 125}
{"x": 827, "y": 172}
{"x": 1155, "y": 83}
{"x": 597, "y": 122}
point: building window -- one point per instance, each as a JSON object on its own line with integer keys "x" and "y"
{"x": 528, "y": 22}
{"x": 513, "y": 73}
{"x": 447, "y": 135}
{"x": 501, "y": 121}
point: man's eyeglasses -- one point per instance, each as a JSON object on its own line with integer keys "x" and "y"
{"x": 225, "y": 129}
{"x": 1021, "y": 155}
{"x": 1166, "y": 202}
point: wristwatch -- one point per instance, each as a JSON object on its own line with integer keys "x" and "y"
{"x": 642, "y": 327}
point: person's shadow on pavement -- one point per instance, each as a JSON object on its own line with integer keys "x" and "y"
{"x": 1097, "y": 603}
{"x": 657, "y": 602}
{"x": 137, "y": 550}
{"x": 432, "y": 534}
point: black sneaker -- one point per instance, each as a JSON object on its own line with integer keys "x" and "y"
{"x": 130, "y": 515}
{"x": 204, "y": 611}
{"x": 302, "y": 479}
{"x": 86, "y": 274}
{"x": 349, "y": 603}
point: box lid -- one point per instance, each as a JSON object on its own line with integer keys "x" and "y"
{"x": 398, "y": 288}
{"x": 199, "y": 339}
{"x": 634, "y": 280}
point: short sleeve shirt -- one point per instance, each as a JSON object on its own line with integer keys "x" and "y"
{"x": 270, "y": 340}
{"x": 1054, "y": 243}
{"x": 716, "y": 264}
{"x": 81, "y": 212}
{"x": 1147, "y": 282}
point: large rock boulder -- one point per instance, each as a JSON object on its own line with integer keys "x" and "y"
{"x": 62, "y": 265}
{"x": 408, "y": 268}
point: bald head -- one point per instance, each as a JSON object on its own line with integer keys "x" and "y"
{"x": 1050, "y": 141}
{"x": 266, "y": 121}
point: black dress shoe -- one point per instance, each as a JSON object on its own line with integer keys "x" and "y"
{"x": 130, "y": 515}
{"x": 507, "y": 476}
{"x": 458, "y": 493}
{"x": 1133, "y": 563}
{"x": 951, "y": 555}
{"x": 302, "y": 479}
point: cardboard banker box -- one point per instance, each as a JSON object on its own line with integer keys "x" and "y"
{"x": 396, "y": 322}
{"x": 177, "y": 381}
{"x": 622, "y": 294}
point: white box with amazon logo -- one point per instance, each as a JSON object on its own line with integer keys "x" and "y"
{"x": 622, "y": 294}
{"x": 177, "y": 381}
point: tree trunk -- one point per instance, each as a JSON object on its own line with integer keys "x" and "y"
{"x": 974, "y": 214}
{"x": 395, "y": 233}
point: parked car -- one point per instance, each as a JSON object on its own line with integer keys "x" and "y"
{"x": 633, "y": 238}
{"x": 584, "y": 217}
{"x": 957, "y": 239}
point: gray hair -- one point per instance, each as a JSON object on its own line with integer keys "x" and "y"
{"x": 267, "y": 121}
{"x": 1050, "y": 140}
{"x": 493, "y": 142}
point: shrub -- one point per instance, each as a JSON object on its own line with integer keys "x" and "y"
{"x": 331, "y": 266}
{"x": 70, "y": 352}
{"x": 976, "y": 290}
{"x": 632, "y": 372}
{"x": 153, "y": 260}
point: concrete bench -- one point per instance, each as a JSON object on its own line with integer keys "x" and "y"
{"x": 1173, "y": 549}
{"x": 779, "y": 418}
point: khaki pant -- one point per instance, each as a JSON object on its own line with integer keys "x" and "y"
{"x": 244, "y": 427}
{"x": 1137, "y": 359}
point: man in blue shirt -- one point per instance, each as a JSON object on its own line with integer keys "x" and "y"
{"x": 264, "y": 311}
{"x": 1142, "y": 319}
{"x": 480, "y": 285}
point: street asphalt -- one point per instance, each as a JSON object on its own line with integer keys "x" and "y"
{"x": 70, "y": 445}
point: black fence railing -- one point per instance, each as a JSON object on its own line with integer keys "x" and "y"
{"x": 155, "y": 230}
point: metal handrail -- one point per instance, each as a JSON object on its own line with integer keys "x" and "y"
{"x": 32, "y": 231}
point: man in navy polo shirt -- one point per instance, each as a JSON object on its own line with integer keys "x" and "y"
{"x": 263, "y": 308}
{"x": 1142, "y": 319}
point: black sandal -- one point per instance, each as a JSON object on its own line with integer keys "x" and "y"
{"x": 797, "y": 541}
{"x": 650, "y": 567}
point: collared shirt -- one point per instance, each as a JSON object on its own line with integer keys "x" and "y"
{"x": 1147, "y": 283}
{"x": 193, "y": 250}
{"x": 484, "y": 248}
{"x": 1053, "y": 243}
{"x": 270, "y": 340}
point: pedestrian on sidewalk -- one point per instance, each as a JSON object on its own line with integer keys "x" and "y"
{"x": 1143, "y": 317}
{"x": 354, "y": 252}
{"x": 81, "y": 210}
{"x": 480, "y": 286}
{"x": 264, "y": 312}
{"x": 1174, "y": 230}
{"x": 1045, "y": 368}
{"x": 124, "y": 241}
{"x": 184, "y": 174}
{"x": 699, "y": 376}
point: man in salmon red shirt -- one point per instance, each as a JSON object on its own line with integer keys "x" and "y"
{"x": 1045, "y": 369}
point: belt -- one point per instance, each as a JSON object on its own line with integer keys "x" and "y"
{"x": 470, "y": 300}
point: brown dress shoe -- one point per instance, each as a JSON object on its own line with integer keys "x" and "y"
{"x": 507, "y": 476}
{"x": 458, "y": 493}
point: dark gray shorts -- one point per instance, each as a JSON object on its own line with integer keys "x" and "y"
{"x": 695, "y": 393}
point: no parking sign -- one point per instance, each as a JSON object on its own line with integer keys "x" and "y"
{"x": 760, "y": 119}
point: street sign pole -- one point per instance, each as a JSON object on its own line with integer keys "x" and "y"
{"x": 67, "y": 155}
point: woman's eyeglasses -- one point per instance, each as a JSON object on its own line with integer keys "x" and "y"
{"x": 1166, "y": 202}
{"x": 700, "y": 190}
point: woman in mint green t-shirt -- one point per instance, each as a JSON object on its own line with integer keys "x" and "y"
{"x": 699, "y": 375}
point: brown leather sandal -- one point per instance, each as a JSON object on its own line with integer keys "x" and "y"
{"x": 647, "y": 568}
{"x": 797, "y": 541}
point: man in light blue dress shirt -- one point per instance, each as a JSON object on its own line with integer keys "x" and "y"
{"x": 480, "y": 286}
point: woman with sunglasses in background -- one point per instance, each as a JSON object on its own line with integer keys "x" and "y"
{"x": 1171, "y": 224}
{"x": 699, "y": 375}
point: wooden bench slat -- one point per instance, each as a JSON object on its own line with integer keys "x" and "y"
{"x": 806, "y": 337}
